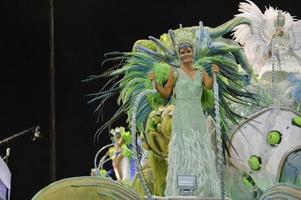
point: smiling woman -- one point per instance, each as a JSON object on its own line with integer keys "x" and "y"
{"x": 189, "y": 130}
{"x": 186, "y": 53}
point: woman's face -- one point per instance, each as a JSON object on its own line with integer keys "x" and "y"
{"x": 186, "y": 54}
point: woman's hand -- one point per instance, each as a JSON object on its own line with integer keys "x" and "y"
{"x": 215, "y": 68}
{"x": 207, "y": 80}
{"x": 151, "y": 76}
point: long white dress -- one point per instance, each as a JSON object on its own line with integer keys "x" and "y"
{"x": 190, "y": 148}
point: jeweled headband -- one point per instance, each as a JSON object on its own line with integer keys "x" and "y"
{"x": 185, "y": 45}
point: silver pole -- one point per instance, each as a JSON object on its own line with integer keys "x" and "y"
{"x": 219, "y": 143}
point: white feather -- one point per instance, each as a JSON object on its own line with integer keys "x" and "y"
{"x": 256, "y": 38}
{"x": 294, "y": 31}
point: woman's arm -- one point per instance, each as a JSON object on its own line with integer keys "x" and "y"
{"x": 207, "y": 80}
{"x": 165, "y": 91}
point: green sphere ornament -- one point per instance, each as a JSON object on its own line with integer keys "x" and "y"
{"x": 274, "y": 137}
{"x": 255, "y": 162}
{"x": 248, "y": 181}
{"x": 103, "y": 173}
{"x": 296, "y": 121}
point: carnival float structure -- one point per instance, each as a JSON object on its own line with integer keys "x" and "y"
{"x": 252, "y": 114}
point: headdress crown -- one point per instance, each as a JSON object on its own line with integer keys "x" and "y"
{"x": 183, "y": 36}
{"x": 279, "y": 19}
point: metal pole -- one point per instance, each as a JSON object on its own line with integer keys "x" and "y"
{"x": 52, "y": 94}
{"x": 13, "y": 137}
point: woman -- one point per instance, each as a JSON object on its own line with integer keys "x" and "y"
{"x": 190, "y": 148}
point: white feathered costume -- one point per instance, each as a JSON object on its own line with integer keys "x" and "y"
{"x": 263, "y": 47}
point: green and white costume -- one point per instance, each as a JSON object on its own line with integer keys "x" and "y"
{"x": 190, "y": 148}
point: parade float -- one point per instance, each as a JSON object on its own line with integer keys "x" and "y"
{"x": 252, "y": 114}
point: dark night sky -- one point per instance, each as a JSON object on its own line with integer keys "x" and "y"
{"x": 84, "y": 31}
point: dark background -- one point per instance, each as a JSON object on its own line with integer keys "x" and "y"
{"x": 84, "y": 31}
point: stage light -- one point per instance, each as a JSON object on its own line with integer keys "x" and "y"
{"x": 186, "y": 184}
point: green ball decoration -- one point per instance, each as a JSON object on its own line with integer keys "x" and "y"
{"x": 274, "y": 138}
{"x": 103, "y": 173}
{"x": 296, "y": 121}
{"x": 248, "y": 181}
{"x": 255, "y": 162}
